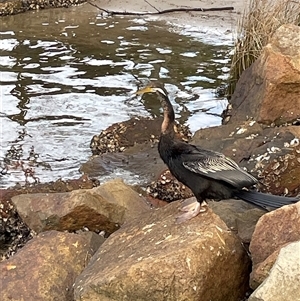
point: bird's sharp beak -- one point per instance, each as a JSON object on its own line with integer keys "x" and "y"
{"x": 144, "y": 90}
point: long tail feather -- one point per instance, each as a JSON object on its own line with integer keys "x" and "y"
{"x": 264, "y": 200}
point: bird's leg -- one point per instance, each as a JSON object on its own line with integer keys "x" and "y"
{"x": 191, "y": 210}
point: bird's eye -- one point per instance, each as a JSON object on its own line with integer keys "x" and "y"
{"x": 161, "y": 91}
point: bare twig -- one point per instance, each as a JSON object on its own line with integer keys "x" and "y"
{"x": 151, "y": 5}
{"x": 105, "y": 10}
{"x": 158, "y": 12}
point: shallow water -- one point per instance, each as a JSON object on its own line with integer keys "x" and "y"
{"x": 68, "y": 74}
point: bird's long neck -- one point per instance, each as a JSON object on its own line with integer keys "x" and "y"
{"x": 167, "y": 127}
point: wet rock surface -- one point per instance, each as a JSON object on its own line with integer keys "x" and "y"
{"x": 120, "y": 136}
{"x": 239, "y": 216}
{"x": 141, "y": 161}
{"x": 165, "y": 261}
{"x": 45, "y": 269}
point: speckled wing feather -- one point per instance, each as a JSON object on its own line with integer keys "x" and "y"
{"x": 216, "y": 166}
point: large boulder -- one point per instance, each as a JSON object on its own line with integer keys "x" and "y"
{"x": 269, "y": 90}
{"x": 153, "y": 258}
{"x": 283, "y": 282}
{"x": 14, "y": 233}
{"x": 273, "y": 231}
{"x": 104, "y": 208}
{"x": 46, "y": 267}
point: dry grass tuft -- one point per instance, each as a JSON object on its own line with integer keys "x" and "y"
{"x": 256, "y": 28}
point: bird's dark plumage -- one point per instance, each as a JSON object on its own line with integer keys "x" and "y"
{"x": 207, "y": 173}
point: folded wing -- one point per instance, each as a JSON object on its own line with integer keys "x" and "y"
{"x": 216, "y": 166}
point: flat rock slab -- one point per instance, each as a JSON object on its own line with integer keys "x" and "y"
{"x": 153, "y": 258}
{"x": 46, "y": 267}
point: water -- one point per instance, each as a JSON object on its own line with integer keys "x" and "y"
{"x": 68, "y": 74}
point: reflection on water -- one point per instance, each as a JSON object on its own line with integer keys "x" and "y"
{"x": 68, "y": 74}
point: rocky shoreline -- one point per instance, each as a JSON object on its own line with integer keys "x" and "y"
{"x": 85, "y": 241}
{"x": 13, "y": 7}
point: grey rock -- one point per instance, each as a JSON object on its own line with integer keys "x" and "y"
{"x": 283, "y": 282}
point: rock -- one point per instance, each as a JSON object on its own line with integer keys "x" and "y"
{"x": 269, "y": 90}
{"x": 102, "y": 208}
{"x": 270, "y": 154}
{"x": 262, "y": 270}
{"x": 152, "y": 258}
{"x": 119, "y": 136}
{"x": 283, "y": 223}
{"x": 283, "y": 280}
{"x": 241, "y": 217}
{"x": 284, "y": 226}
{"x": 280, "y": 173}
{"x": 141, "y": 159}
{"x": 168, "y": 188}
{"x": 246, "y": 223}
{"x": 46, "y": 267}
{"x": 14, "y": 233}
{"x": 12, "y": 7}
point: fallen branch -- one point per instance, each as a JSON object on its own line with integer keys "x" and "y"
{"x": 160, "y": 12}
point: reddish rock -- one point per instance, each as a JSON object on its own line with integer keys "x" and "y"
{"x": 102, "y": 208}
{"x": 153, "y": 258}
{"x": 269, "y": 90}
{"x": 46, "y": 267}
{"x": 14, "y": 233}
{"x": 273, "y": 230}
{"x": 262, "y": 270}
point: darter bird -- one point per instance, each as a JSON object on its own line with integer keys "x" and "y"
{"x": 209, "y": 174}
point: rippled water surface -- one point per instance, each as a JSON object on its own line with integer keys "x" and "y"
{"x": 68, "y": 74}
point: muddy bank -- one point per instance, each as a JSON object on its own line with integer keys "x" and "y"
{"x": 225, "y": 13}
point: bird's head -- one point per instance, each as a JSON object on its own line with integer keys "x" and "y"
{"x": 167, "y": 126}
{"x": 154, "y": 87}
